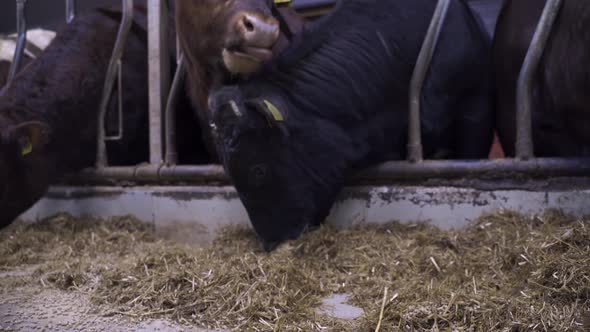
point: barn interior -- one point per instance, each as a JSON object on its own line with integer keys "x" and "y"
{"x": 480, "y": 245}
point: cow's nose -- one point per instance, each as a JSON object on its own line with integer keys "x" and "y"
{"x": 257, "y": 30}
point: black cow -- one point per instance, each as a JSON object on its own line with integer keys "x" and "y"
{"x": 48, "y": 114}
{"x": 337, "y": 100}
{"x": 561, "y": 97}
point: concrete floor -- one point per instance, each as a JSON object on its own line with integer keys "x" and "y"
{"x": 49, "y": 310}
{"x": 35, "y": 308}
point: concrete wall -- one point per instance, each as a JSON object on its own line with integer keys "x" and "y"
{"x": 193, "y": 214}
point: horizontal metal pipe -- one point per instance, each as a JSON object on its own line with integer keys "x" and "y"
{"x": 418, "y": 77}
{"x": 505, "y": 168}
{"x": 21, "y": 42}
{"x": 389, "y": 171}
{"x": 524, "y": 88}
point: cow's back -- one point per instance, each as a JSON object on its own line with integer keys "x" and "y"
{"x": 372, "y": 46}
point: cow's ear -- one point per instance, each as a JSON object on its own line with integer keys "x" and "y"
{"x": 272, "y": 110}
{"x": 30, "y": 136}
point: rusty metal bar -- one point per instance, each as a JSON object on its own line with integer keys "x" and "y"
{"x": 524, "y": 88}
{"x": 70, "y": 11}
{"x": 159, "y": 72}
{"x": 21, "y": 42}
{"x": 170, "y": 117}
{"x": 118, "y": 49}
{"x": 383, "y": 173}
{"x": 418, "y": 77}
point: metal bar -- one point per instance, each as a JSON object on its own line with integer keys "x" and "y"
{"x": 524, "y": 88}
{"x": 118, "y": 49}
{"x": 383, "y": 173}
{"x": 159, "y": 72}
{"x": 485, "y": 169}
{"x": 171, "y": 151}
{"x": 418, "y": 77}
{"x": 70, "y": 11}
{"x": 178, "y": 49}
{"x": 119, "y": 134}
{"x": 21, "y": 29}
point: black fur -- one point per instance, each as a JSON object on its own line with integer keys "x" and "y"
{"x": 343, "y": 86}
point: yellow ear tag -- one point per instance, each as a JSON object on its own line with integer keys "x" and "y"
{"x": 278, "y": 2}
{"x": 276, "y": 114}
{"x": 27, "y": 148}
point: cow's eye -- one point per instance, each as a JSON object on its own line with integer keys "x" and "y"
{"x": 258, "y": 174}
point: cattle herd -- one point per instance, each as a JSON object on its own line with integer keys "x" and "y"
{"x": 292, "y": 107}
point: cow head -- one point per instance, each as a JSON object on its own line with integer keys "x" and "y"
{"x": 20, "y": 148}
{"x": 287, "y": 170}
{"x": 239, "y": 34}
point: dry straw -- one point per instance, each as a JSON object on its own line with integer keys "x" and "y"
{"x": 505, "y": 272}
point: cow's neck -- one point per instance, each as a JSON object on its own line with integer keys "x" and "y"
{"x": 202, "y": 80}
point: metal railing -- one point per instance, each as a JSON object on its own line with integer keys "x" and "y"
{"x": 164, "y": 97}
{"x": 113, "y": 71}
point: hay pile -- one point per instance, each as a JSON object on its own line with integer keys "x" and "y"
{"x": 506, "y": 272}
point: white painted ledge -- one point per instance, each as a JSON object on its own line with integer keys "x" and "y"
{"x": 205, "y": 209}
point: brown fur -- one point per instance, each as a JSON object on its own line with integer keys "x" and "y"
{"x": 53, "y": 104}
{"x": 204, "y": 27}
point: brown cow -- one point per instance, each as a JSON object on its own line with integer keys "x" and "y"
{"x": 225, "y": 39}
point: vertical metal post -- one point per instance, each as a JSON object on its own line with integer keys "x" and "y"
{"x": 21, "y": 28}
{"x": 418, "y": 77}
{"x": 171, "y": 151}
{"x": 524, "y": 88}
{"x": 118, "y": 49}
{"x": 70, "y": 10}
{"x": 159, "y": 73}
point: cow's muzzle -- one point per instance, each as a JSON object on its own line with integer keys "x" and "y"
{"x": 252, "y": 37}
